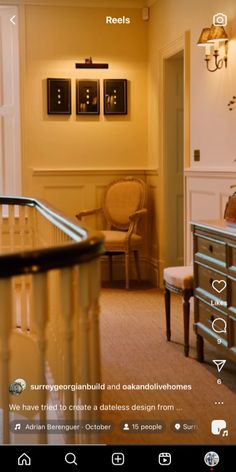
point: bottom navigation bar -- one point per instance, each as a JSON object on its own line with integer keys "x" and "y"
{"x": 107, "y": 457}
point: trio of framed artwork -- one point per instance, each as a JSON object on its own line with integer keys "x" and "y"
{"x": 87, "y": 96}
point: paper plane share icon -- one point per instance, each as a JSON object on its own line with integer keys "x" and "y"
{"x": 219, "y": 364}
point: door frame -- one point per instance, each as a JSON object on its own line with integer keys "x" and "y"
{"x": 10, "y": 108}
{"x": 182, "y": 43}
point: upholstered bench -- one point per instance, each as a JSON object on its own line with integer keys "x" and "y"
{"x": 179, "y": 280}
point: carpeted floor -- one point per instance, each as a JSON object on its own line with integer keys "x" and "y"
{"x": 135, "y": 350}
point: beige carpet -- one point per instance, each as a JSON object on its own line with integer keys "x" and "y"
{"x": 135, "y": 350}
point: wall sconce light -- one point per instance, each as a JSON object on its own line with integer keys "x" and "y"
{"x": 89, "y": 64}
{"x": 214, "y": 36}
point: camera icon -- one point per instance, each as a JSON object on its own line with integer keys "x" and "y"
{"x": 220, "y": 19}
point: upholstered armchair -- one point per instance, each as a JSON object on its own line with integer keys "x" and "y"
{"x": 123, "y": 207}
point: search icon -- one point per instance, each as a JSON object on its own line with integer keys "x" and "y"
{"x": 70, "y": 458}
{"x": 219, "y": 325}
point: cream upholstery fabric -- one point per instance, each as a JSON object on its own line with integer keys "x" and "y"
{"x": 180, "y": 277}
{"x": 115, "y": 240}
{"x": 122, "y": 199}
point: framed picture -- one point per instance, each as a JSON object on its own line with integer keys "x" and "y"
{"x": 59, "y": 96}
{"x": 87, "y": 97}
{"x": 115, "y": 97}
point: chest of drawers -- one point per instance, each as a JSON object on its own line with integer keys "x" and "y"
{"x": 214, "y": 258}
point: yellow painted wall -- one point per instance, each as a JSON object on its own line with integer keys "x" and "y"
{"x": 213, "y": 127}
{"x": 56, "y": 38}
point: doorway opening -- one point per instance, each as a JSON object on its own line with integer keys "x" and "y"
{"x": 10, "y": 150}
{"x": 173, "y": 158}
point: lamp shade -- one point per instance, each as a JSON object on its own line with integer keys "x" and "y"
{"x": 217, "y": 33}
{"x": 204, "y": 37}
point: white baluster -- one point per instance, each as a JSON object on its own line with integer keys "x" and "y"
{"x": 28, "y": 293}
{"x": 33, "y": 214}
{"x": 55, "y": 346}
{"x": 1, "y": 226}
{"x": 11, "y": 225}
{"x": 40, "y": 315}
{"x": 22, "y": 227}
{"x": 83, "y": 352}
{"x": 67, "y": 313}
{"x": 16, "y": 302}
{"x": 84, "y": 303}
{"x": 5, "y": 329}
{"x": 95, "y": 283}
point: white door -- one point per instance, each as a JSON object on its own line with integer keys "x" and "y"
{"x": 10, "y": 163}
{"x": 174, "y": 159}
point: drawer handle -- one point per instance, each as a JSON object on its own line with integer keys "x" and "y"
{"x": 210, "y": 247}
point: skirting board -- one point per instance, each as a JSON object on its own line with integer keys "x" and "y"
{"x": 148, "y": 267}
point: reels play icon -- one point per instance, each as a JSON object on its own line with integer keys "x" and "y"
{"x": 164, "y": 458}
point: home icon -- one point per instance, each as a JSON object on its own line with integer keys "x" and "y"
{"x": 24, "y": 459}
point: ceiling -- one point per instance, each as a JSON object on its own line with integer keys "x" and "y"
{"x": 88, "y": 3}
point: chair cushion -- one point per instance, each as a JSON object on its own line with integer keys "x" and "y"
{"x": 180, "y": 277}
{"x": 121, "y": 199}
{"x": 115, "y": 240}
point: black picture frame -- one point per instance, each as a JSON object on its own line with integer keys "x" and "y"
{"x": 115, "y": 96}
{"x": 58, "y": 96}
{"x": 87, "y": 97}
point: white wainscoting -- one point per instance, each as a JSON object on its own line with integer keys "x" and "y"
{"x": 72, "y": 190}
{"x": 207, "y": 191}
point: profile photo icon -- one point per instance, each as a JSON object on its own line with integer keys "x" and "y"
{"x": 17, "y": 386}
{"x": 211, "y": 459}
{"x": 220, "y": 19}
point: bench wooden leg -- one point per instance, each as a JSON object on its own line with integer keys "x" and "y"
{"x": 127, "y": 270}
{"x": 110, "y": 268}
{"x": 186, "y": 313}
{"x": 200, "y": 348}
{"x": 136, "y": 258}
{"x": 167, "y": 308}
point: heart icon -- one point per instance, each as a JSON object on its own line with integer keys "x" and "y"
{"x": 219, "y": 285}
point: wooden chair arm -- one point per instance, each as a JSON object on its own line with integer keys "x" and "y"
{"x": 134, "y": 217}
{"x": 83, "y": 213}
{"x": 137, "y": 214}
